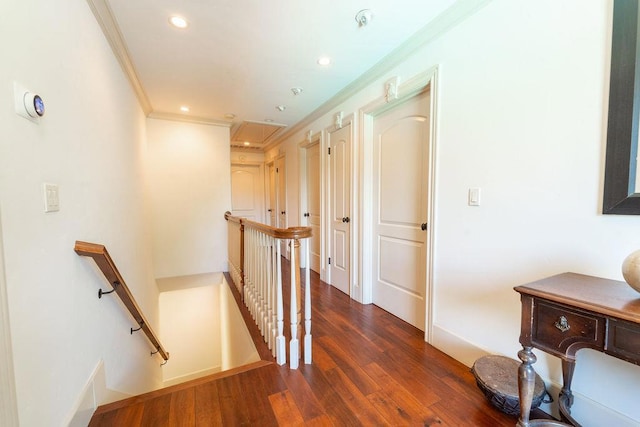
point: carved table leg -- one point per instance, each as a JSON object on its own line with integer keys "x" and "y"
{"x": 565, "y": 400}
{"x": 526, "y": 384}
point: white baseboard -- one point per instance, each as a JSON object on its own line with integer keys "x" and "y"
{"x": 590, "y": 413}
{"x": 191, "y": 376}
{"x": 586, "y": 411}
{"x": 86, "y": 404}
{"x": 94, "y": 394}
{"x": 455, "y": 346}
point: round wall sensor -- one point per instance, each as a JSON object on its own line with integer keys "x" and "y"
{"x": 33, "y": 104}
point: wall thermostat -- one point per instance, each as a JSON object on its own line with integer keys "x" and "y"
{"x": 27, "y": 103}
{"x": 33, "y": 104}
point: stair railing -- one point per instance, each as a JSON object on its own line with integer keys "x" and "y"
{"x": 107, "y": 266}
{"x": 256, "y": 267}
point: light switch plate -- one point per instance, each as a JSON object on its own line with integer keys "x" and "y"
{"x": 474, "y": 197}
{"x": 51, "y": 198}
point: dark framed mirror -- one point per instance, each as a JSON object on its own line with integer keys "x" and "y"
{"x": 621, "y": 184}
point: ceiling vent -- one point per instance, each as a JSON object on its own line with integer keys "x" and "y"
{"x": 257, "y": 134}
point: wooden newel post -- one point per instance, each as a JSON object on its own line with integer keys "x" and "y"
{"x": 242, "y": 260}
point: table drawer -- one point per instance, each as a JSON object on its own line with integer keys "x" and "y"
{"x": 623, "y": 340}
{"x": 557, "y": 327}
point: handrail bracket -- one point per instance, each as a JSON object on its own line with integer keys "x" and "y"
{"x": 101, "y": 292}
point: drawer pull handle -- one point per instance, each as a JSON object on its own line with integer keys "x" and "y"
{"x": 562, "y": 324}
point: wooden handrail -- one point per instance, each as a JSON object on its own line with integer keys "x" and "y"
{"x": 107, "y": 266}
{"x": 277, "y": 233}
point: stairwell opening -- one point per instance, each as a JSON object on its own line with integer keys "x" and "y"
{"x": 202, "y": 326}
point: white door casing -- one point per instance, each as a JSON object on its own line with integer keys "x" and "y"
{"x": 371, "y": 234}
{"x": 340, "y": 207}
{"x": 281, "y": 185}
{"x": 281, "y": 191}
{"x": 272, "y": 198}
{"x": 311, "y": 201}
{"x": 8, "y": 399}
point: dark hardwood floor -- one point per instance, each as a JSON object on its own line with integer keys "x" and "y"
{"x": 369, "y": 368}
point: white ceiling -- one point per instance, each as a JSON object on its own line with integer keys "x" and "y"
{"x": 242, "y": 57}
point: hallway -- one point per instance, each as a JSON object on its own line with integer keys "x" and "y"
{"x": 369, "y": 368}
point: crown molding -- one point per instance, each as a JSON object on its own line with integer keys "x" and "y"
{"x": 189, "y": 119}
{"x": 461, "y": 10}
{"x": 104, "y": 16}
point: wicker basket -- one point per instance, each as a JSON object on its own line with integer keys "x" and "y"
{"x": 497, "y": 377}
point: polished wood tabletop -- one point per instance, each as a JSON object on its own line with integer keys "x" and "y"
{"x": 609, "y": 297}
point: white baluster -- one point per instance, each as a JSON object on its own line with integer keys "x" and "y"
{"x": 269, "y": 282}
{"x": 247, "y": 256}
{"x": 281, "y": 354}
{"x": 259, "y": 283}
{"x": 251, "y": 273}
{"x": 263, "y": 285}
{"x": 274, "y": 291}
{"x": 294, "y": 356}
{"x": 254, "y": 269}
{"x": 307, "y": 307}
{"x": 247, "y": 270}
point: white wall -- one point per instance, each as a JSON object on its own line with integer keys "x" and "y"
{"x": 237, "y": 346}
{"x": 190, "y": 190}
{"x": 91, "y": 142}
{"x": 190, "y": 326}
{"x": 522, "y": 104}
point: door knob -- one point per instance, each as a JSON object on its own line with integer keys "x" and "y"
{"x": 423, "y": 226}
{"x": 283, "y": 212}
{"x": 345, "y": 219}
{"x": 269, "y": 210}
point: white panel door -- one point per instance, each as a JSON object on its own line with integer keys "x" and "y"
{"x": 313, "y": 204}
{"x": 247, "y": 193}
{"x": 401, "y": 178}
{"x": 272, "y": 202}
{"x": 340, "y": 192}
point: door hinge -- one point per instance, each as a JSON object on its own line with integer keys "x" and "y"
{"x": 329, "y": 150}
{"x": 329, "y": 260}
{"x": 277, "y": 171}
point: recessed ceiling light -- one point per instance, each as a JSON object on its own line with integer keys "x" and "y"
{"x": 178, "y": 21}
{"x": 230, "y": 116}
{"x": 247, "y": 143}
{"x": 281, "y": 107}
{"x": 184, "y": 109}
{"x": 296, "y": 90}
{"x": 268, "y": 120}
{"x": 324, "y": 61}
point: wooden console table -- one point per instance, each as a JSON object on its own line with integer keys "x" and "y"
{"x": 564, "y": 313}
